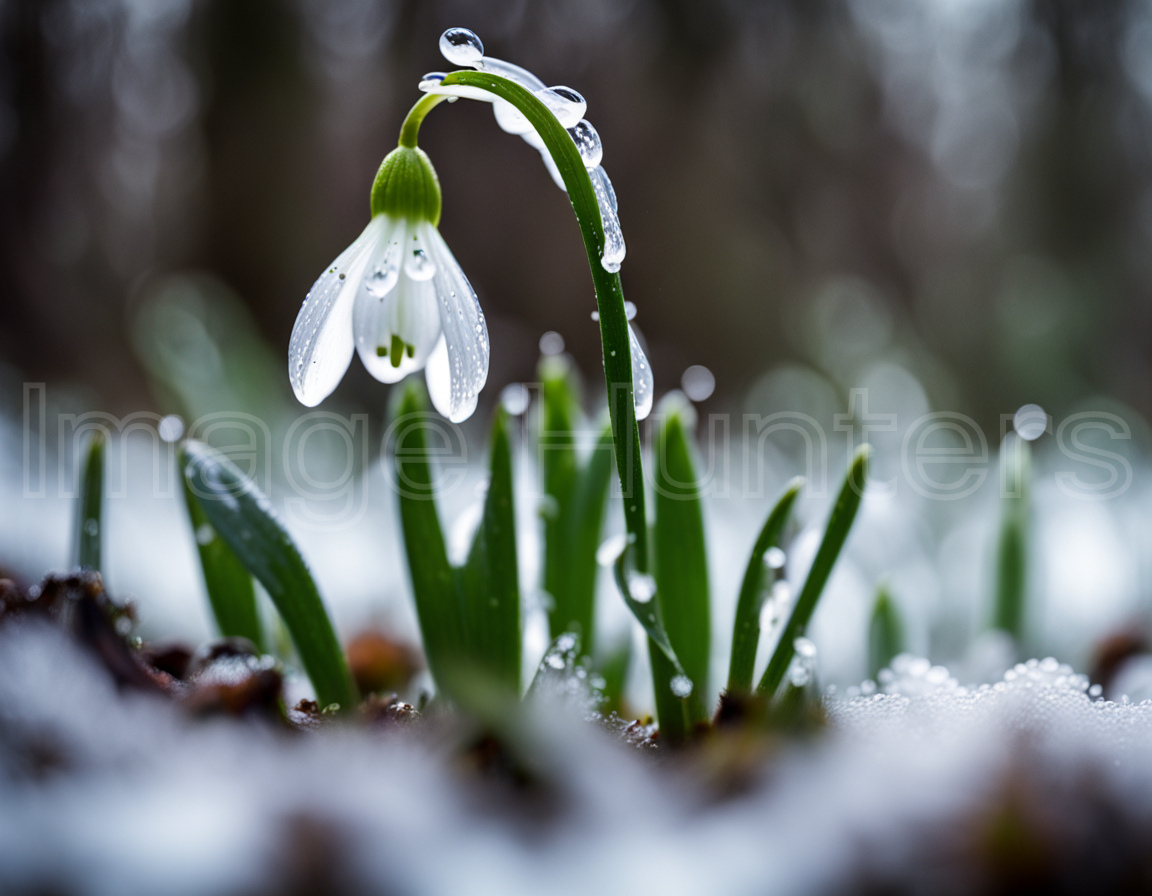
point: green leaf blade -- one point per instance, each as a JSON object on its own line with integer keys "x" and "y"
{"x": 434, "y": 582}
{"x": 885, "y": 632}
{"x": 680, "y": 564}
{"x": 835, "y": 534}
{"x": 231, "y": 593}
{"x": 243, "y": 518}
{"x": 614, "y": 337}
{"x": 492, "y": 598}
{"x": 559, "y": 471}
{"x": 1012, "y": 547}
{"x": 746, "y": 627}
{"x": 89, "y": 527}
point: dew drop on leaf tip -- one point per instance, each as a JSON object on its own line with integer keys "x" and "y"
{"x": 681, "y": 686}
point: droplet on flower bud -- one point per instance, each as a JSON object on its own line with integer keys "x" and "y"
{"x": 588, "y": 142}
{"x": 461, "y": 46}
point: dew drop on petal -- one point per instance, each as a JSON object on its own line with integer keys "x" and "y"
{"x": 418, "y": 266}
{"x": 461, "y": 46}
{"x": 551, "y": 343}
{"x": 587, "y": 141}
{"x": 1030, "y": 422}
{"x": 681, "y": 686}
{"x": 698, "y": 382}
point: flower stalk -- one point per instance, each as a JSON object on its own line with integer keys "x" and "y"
{"x": 609, "y": 294}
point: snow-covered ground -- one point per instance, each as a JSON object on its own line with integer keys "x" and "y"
{"x": 114, "y": 793}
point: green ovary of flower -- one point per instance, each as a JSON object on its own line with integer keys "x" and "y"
{"x": 406, "y": 186}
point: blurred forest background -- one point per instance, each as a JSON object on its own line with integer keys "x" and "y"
{"x": 963, "y": 187}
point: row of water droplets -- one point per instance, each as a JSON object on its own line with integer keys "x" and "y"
{"x": 463, "y": 47}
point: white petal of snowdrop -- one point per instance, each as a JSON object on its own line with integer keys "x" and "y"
{"x": 321, "y": 345}
{"x": 438, "y": 375}
{"x": 643, "y": 385}
{"x": 465, "y": 337}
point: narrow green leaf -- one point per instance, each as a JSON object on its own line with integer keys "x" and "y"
{"x": 88, "y": 540}
{"x": 559, "y": 468}
{"x": 243, "y": 518}
{"x": 434, "y": 585}
{"x": 491, "y": 592}
{"x": 609, "y": 295}
{"x": 885, "y": 632}
{"x": 586, "y": 521}
{"x": 835, "y": 534}
{"x": 680, "y": 563}
{"x": 746, "y": 628}
{"x": 231, "y": 593}
{"x": 1012, "y": 550}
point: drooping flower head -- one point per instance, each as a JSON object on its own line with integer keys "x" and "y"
{"x": 398, "y": 298}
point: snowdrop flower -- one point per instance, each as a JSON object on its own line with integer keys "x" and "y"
{"x": 463, "y": 48}
{"x": 398, "y": 297}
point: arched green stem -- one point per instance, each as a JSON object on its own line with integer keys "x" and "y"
{"x": 411, "y": 126}
{"x": 609, "y": 293}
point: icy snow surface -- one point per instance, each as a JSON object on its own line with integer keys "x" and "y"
{"x": 130, "y": 796}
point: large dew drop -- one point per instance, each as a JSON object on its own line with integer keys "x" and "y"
{"x": 461, "y": 46}
{"x": 613, "y": 254}
{"x": 641, "y": 587}
{"x": 1030, "y": 422}
{"x": 605, "y": 195}
{"x": 681, "y": 686}
{"x": 643, "y": 385}
{"x": 565, "y": 103}
{"x": 587, "y": 140}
